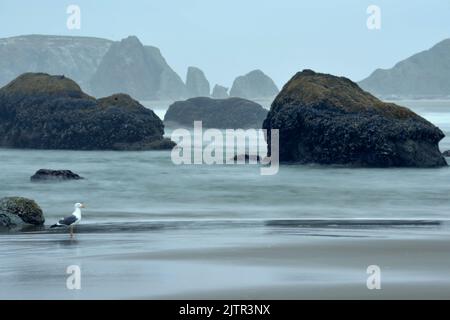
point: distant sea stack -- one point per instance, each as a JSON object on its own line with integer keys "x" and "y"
{"x": 232, "y": 113}
{"x": 40, "y": 111}
{"x": 254, "y": 85}
{"x": 423, "y": 75}
{"x": 326, "y": 119}
{"x": 129, "y": 67}
{"x": 196, "y": 83}
{"x": 101, "y": 67}
{"x": 220, "y": 92}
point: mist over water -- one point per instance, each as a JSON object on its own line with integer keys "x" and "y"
{"x": 154, "y": 229}
{"x": 124, "y": 186}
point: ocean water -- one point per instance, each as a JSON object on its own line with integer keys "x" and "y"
{"x": 124, "y": 186}
{"x": 153, "y": 229}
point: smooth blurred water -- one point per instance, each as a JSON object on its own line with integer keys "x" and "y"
{"x": 123, "y": 186}
{"x": 152, "y": 228}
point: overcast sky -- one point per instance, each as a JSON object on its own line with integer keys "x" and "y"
{"x": 229, "y": 38}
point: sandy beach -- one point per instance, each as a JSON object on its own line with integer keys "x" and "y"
{"x": 230, "y": 261}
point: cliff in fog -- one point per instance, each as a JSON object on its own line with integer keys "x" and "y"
{"x": 423, "y": 75}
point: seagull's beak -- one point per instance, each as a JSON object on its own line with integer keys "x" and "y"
{"x": 82, "y": 206}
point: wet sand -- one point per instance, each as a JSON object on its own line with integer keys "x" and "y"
{"x": 335, "y": 269}
{"x": 241, "y": 260}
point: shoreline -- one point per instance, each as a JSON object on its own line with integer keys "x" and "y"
{"x": 233, "y": 263}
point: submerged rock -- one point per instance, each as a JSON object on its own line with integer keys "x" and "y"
{"x": 40, "y": 111}
{"x": 255, "y": 84}
{"x": 247, "y": 158}
{"x": 330, "y": 120}
{"x": 229, "y": 113}
{"x": 19, "y": 212}
{"x": 54, "y": 175}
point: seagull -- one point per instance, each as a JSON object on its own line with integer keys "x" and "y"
{"x": 71, "y": 220}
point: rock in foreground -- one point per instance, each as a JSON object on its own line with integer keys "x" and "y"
{"x": 54, "y": 175}
{"x": 18, "y": 212}
{"x": 232, "y": 113}
{"x": 40, "y": 111}
{"x": 326, "y": 119}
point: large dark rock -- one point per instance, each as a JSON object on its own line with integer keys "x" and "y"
{"x": 229, "y": 113}
{"x": 329, "y": 120}
{"x": 40, "y": 111}
{"x": 137, "y": 70}
{"x": 196, "y": 83}
{"x": 254, "y": 85}
{"x": 18, "y": 212}
{"x": 54, "y": 175}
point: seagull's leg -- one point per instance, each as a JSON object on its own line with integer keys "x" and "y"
{"x": 71, "y": 232}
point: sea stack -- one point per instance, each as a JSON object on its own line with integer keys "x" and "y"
{"x": 232, "y": 113}
{"x": 40, "y": 111}
{"x": 196, "y": 83}
{"x": 254, "y": 85}
{"x": 220, "y": 92}
{"x": 140, "y": 71}
{"x": 326, "y": 119}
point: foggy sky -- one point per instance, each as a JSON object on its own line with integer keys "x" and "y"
{"x": 229, "y": 38}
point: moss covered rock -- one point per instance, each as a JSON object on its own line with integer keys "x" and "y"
{"x": 18, "y": 211}
{"x": 231, "y": 113}
{"x": 40, "y": 111}
{"x": 330, "y": 120}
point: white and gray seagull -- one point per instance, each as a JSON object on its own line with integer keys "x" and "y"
{"x": 71, "y": 220}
